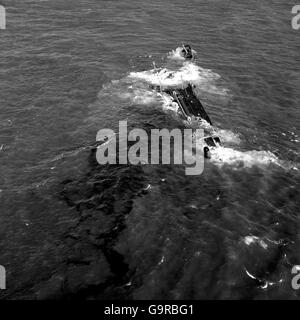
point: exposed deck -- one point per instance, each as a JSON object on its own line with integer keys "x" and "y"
{"x": 189, "y": 103}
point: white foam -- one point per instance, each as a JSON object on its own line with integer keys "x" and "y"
{"x": 140, "y": 96}
{"x": 223, "y": 155}
{"x": 227, "y": 136}
{"x": 188, "y": 73}
{"x": 177, "y": 54}
{"x": 168, "y": 103}
{"x": 143, "y": 96}
{"x": 248, "y": 240}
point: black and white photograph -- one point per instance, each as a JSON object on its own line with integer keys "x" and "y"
{"x": 149, "y": 151}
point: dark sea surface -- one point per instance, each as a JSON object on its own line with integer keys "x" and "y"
{"x": 70, "y": 228}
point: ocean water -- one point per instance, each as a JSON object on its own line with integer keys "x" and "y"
{"x": 72, "y": 229}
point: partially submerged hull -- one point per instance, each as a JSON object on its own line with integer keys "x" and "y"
{"x": 189, "y": 103}
{"x": 191, "y": 107}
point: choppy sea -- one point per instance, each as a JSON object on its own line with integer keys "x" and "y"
{"x": 70, "y": 228}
